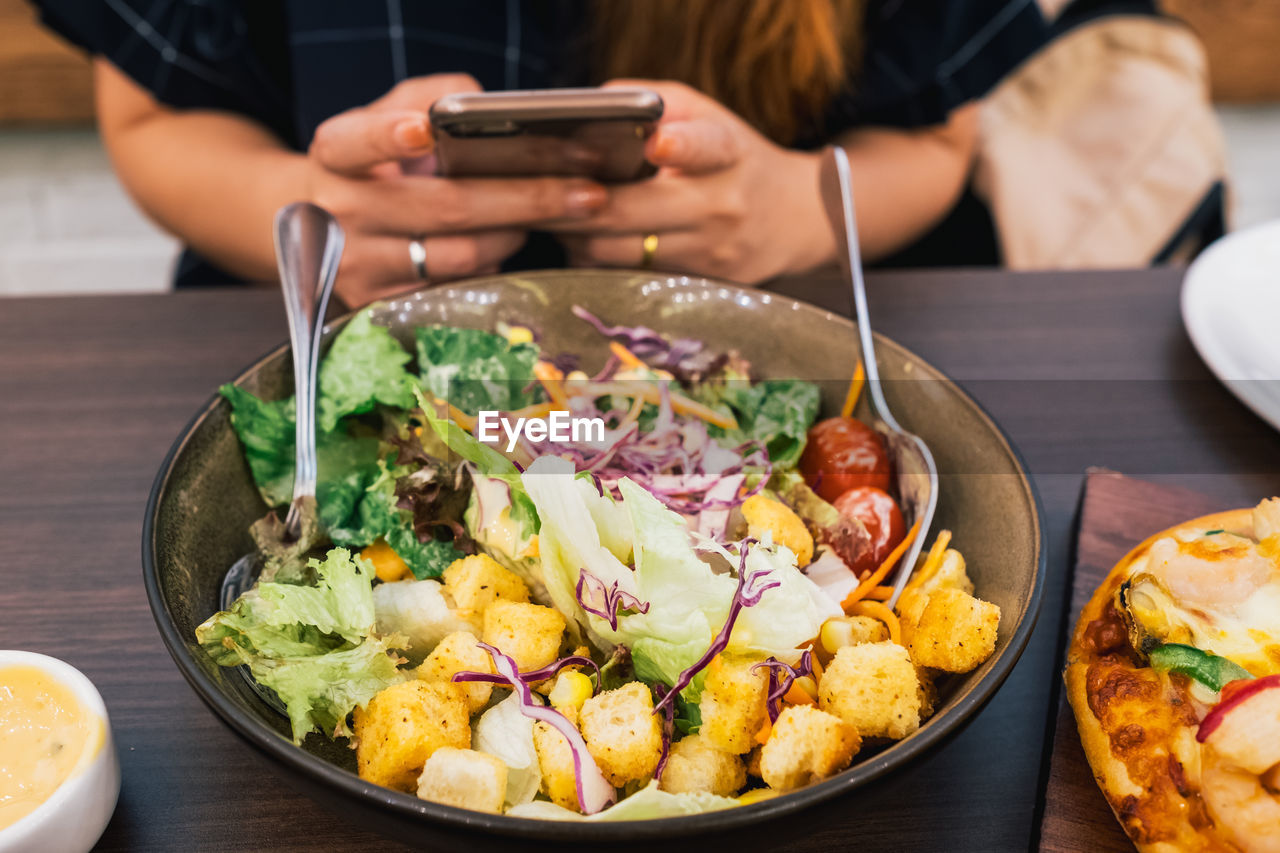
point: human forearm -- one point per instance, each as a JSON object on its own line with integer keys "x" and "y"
{"x": 213, "y": 179}
{"x": 905, "y": 182}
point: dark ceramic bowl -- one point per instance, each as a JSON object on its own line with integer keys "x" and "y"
{"x": 204, "y": 501}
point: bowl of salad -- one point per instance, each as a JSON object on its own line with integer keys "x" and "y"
{"x": 595, "y": 558}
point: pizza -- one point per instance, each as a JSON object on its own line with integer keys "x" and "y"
{"x": 1174, "y": 676}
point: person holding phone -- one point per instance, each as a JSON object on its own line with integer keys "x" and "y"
{"x": 217, "y": 112}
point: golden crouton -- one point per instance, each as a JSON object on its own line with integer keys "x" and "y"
{"x": 464, "y": 778}
{"x": 695, "y": 765}
{"x": 555, "y": 759}
{"x": 840, "y": 631}
{"x": 732, "y": 704}
{"x": 766, "y": 514}
{"x": 478, "y": 581}
{"x": 623, "y": 734}
{"x": 403, "y": 725}
{"x": 529, "y": 633}
{"x": 456, "y": 653}
{"x": 806, "y": 745}
{"x": 874, "y": 688}
{"x": 952, "y": 631}
{"x": 928, "y": 692}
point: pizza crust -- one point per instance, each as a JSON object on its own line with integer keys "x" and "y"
{"x": 1138, "y": 726}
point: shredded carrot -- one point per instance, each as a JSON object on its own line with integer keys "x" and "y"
{"x": 881, "y": 573}
{"x": 934, "y": 559}
{"x": 626, "y": 356}
{"x": 877, "y": 610}
{"x": 817, "y": 670}
{"x": 537, "y": 410}
{"x": 550, "y": 376}
{"x": 649, "y": 392}
{"x": 634, "y": 415}
{"x": 855, "y": 391}
{"x": 797, "y": 695}
{"x": 457, "y": 415}
{"x": 880, "y": 593}
{"x": 766, "y": 729}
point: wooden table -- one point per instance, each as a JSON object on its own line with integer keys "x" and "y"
{"x": 1081, "y": 369}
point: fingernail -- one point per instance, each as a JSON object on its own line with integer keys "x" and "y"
{"x": 581, "y": 201}
{"x": 666, "y": 147}
{"x": 413, "y": 134}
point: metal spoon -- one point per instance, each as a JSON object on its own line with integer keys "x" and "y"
{"x": 917, "y": 475}
{"x": 308, "y": 242}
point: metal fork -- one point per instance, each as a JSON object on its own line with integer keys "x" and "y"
{"x": 913, "y": 465}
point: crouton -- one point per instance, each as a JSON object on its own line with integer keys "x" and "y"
{"x": 696, "y": 765}
{"x": 555, "y": 759}
{"x": 952, "y": 631}
{"x": 874, "y": 688}
{"x": 403, "y": 725}
{"x": 806, "y": 745}
{"x": 456, "y": 653}
{"x": 623, "y": 734}
{"x": 766, "y": 514}
{"x": 753, "y": 762}
{"x": 840, "y": 631}
{"x": 478, "y": 581}
{"x": 529, "y": 633}
{"x": 732, "y": 704}
{"x": 464, "y": 778}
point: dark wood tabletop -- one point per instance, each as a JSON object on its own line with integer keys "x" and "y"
{"x": 1082, "y": 369}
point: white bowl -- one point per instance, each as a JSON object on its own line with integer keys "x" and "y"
{"x": 76, "y": 813}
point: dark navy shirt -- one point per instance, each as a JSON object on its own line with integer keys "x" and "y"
{"x": 291, "y": 64}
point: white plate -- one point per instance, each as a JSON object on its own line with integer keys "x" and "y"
{"x": 1231, "y": 308}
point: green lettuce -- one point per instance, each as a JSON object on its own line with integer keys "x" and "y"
{"x": 266, "y": 433}
{"x": 476, "y": 370}
{"x": 775, "y": 412}
{"x": 314, "y": 645}
{"x": 364, "y": 367}
{"x": 648, "y": 803}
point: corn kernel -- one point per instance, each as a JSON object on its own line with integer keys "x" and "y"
{"x": 808, "y": 685}
{"x": 757, "y": 795}
{"x": 519, "y": 335}
{"x": 577, "y": 376}
{"x": 572, "y": 690}
{"x": 835, "y": 634}
{"x": 387, "y": 564}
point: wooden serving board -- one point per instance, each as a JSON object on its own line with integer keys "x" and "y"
{"x": 1116, "y": 513}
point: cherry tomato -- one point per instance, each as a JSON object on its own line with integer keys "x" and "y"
{"x": 879, "y": 513}
{"x": 842, "y": 454}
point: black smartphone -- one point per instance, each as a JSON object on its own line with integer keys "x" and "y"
{"x": 595, "y": 133}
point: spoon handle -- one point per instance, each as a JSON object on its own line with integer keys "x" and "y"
{"x": 836, "y": 181}
{"x": 308, "y": 243}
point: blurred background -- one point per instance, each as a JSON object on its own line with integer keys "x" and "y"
{"x": 67, "y": 226}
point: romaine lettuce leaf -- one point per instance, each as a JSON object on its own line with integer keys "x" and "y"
{"x": 776, "y": 412}
{"x": 266, "y": 435}
{"x": 314, "y": 646}
{"x": 647, "y": 803}
{"x": 477, "y": 370}
{"x": 365, "y": 366}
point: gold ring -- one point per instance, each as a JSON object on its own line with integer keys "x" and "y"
{"x": 418, "y": 257}
{"x": 650, "y": 246}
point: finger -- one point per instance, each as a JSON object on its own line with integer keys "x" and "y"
{"x": 695, "y": 146}
{"x": 679, "y": 101}
{"x": 416, "y": 204}
{"x": 674, "y": 251}
{"x": 353, "y": 142}
{"x": 356, "y": 293}
{"x": 419, "y": 93}
{"x": 664, "y": 203}
{"x": 385, "y": 260}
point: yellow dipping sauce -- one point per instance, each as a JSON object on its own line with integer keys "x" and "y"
{"x": 44, "y": 731}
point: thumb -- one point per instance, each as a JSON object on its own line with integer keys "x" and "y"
{"x": 696, "y": 145}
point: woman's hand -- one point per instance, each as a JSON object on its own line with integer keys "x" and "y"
{"x": 367, "y": 165}
{"x": 725, "y": 202}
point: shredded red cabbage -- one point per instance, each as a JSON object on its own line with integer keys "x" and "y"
{"x": 781, "y": 677}
{"x": 594, "y": 791}
{"x": 533, "y": 676}
{"x": 611, "y": 599}
{"x": 668, "y": 729}
{"x": 751, "y": 588}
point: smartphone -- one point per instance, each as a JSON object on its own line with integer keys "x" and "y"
{"x": 595, "y": 133}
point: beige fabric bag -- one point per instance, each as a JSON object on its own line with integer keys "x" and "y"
{"x": 1099, "y": 148}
